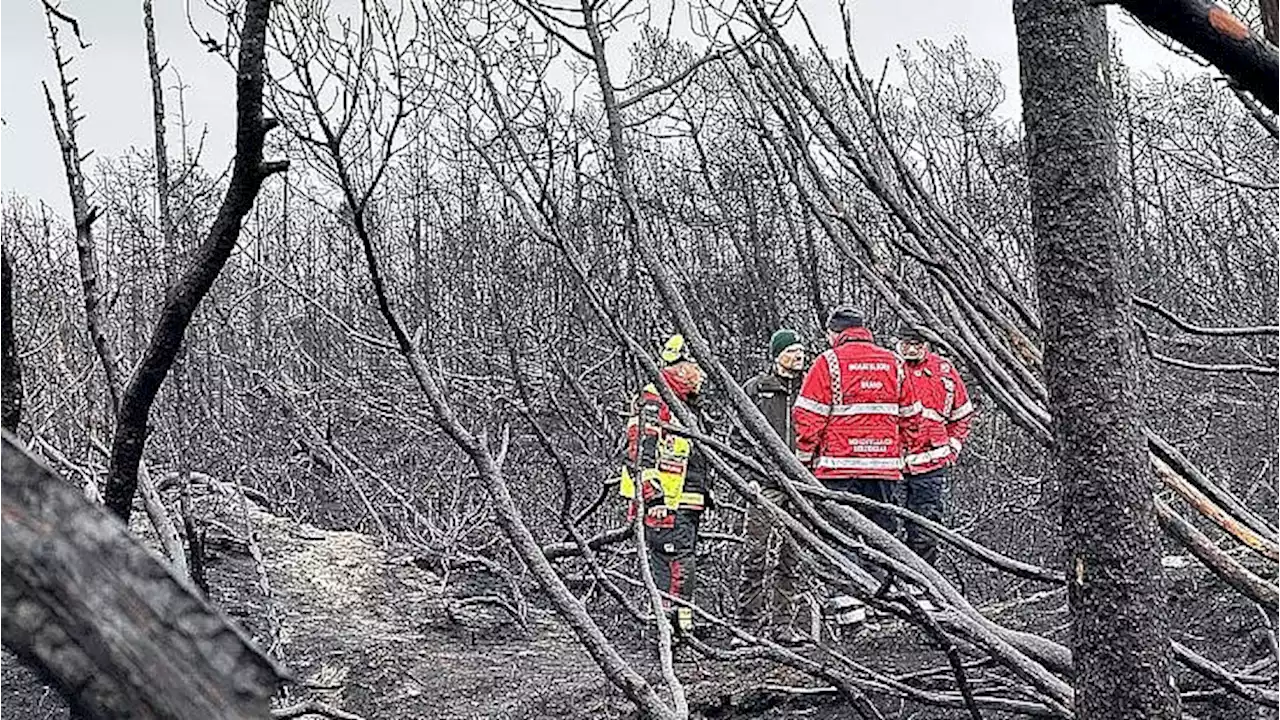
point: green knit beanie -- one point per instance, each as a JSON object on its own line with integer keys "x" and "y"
{"x": 781, "y": 341}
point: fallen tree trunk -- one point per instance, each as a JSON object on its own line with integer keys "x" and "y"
{"x": 1222, "y": 497}
{"x": 1207, "y": 508}
{"x": 116, "y": 630}
{"x": 1227, "y": 568}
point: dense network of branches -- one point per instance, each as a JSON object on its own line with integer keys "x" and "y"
{"x": 465, "y": 203}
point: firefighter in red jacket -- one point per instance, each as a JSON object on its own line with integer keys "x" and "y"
{"x": 854, "y": 411}
{"x": 666, "y": 477}
{"x": 945, "y": 416}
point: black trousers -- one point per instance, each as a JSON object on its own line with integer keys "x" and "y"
{"x": 922, "y": 494}
{"x": 878, "y": 490}
{"x": 673, "y": 553}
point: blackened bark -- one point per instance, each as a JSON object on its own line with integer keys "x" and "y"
{"x": 1119, "y": 632}
{"x": 11, "y": 382}
{"x": 114, "y": 628}
{"x": 247, "y": 174}
{"x": 1270, "y": 30}
{"x": 1216, "y": 35}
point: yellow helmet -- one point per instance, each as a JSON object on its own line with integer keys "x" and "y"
{"x": 675, "y": 350}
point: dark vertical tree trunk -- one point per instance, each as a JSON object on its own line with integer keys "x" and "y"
{"x": 84, "y": 216}
{"x": 1119, "y": 632}
{"x": 167, "y": 230}
{"x": 248, "y": 172}
{"x": 11, "y": 384}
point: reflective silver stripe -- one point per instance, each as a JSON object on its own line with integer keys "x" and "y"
{"x": 844, "y": 602}
{"x": 931, "y": 414}
{"x": 910, "y": 410}
{"x": 856, "y": 463}
{"x": 812, "y": 405}
{"x": 865, "y": 409}
{"x": 804, "y": 456}
{"x": 955, "y": 444}
{"x": 937, "y": 453}
{"x": 961, "y": 412}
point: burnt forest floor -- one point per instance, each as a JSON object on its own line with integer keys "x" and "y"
{"x": 386, "y": 634}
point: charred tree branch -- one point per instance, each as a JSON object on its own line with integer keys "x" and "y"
{"x": 1212, "y": 32}
{"x": 1188, "y": 326}
{"x": 247, "y": 174}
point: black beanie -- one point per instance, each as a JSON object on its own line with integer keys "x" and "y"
{"x": 910, "y": 333}
{"x": 843, "y": 318}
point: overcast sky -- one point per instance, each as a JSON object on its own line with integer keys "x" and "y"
{"x": 114, "y": 89}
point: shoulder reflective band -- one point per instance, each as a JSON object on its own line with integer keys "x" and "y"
{"x": 833, "y": 369}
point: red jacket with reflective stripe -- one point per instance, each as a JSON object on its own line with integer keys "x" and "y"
{"x": 643, "y": 454}
{"x": 945, "y": 414}
{"x": 854, "y": 410}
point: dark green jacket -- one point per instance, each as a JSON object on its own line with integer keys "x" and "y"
{"x": 775, "y": 395}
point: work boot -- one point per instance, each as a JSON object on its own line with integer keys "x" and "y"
{"x": 681, "y": 619}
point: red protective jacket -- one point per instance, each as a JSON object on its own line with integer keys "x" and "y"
{"x": 651, "y": 450}
{"x": 854, "y": 411}
{"x": 945, "y": 414}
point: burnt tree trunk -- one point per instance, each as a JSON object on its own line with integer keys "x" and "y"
{"x": 248, "y": 172}
{"x": 1270, "y": 29}
{"x": 1119, "y": 634}
{"x": 167, "y": 229}
{"x": 82, "y": 214}
{"x": 11, "y": 382}
{"x": 117, "y": 631}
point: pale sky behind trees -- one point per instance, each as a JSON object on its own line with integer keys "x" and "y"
{"x": 114, "y": 93}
